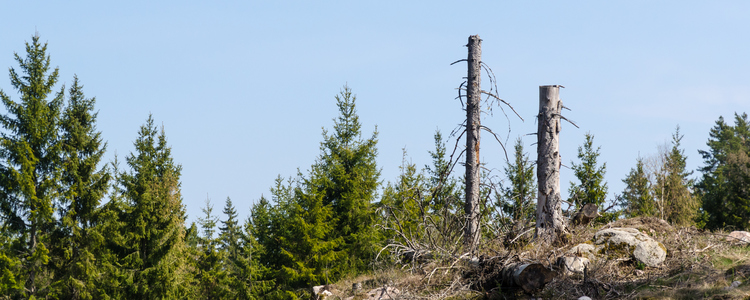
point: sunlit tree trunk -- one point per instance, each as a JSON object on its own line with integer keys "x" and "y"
{"x": 550, "y": 225}
{"x": 473, "y": 97}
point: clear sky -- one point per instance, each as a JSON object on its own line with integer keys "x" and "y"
{"x": 244, "y": 88}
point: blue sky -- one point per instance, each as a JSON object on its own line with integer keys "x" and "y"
{"x": 244, "y": 88}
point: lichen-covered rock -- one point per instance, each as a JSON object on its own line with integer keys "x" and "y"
{"x": 629, "y": 242}
{"x": 742, "y": 237}
{"x": 583, "y": 250}
{"x": 572, "y": 264}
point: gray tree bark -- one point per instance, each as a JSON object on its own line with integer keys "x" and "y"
{"x": 473, "y": 97}
{"x": 550, "y": 224}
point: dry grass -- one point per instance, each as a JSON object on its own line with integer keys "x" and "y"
{"x": 699, "y": 265}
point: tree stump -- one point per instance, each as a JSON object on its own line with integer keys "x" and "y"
{"x": 584, "y": 215}
{"x": 528, "y": 276}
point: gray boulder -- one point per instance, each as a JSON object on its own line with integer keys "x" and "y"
{"x": 572, "y": 264}
{"x": 630, "y": 243}
{"x": 741, "y": 237}
{"x": 583, "y": 250}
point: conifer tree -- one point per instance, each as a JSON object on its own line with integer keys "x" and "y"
{"x": 309, "y": 250}
{"x": 444, "y": 194}
{"x": 346, "y": 176}
{"x": 252, "y": 280}
{"x": 405, "y": 204}
{"x": 637, "y": 195}
{"x": 444, "y": 191}
{"x": 245, "y": 278}
{"x": 591, "y": 188}
{"x": 78, "y": 244}
{"x": 154, "y": 218}
{"x": 230, "y": 236}
{"x": 261, "y": 249}
{"x": 517, "y": 199}
{"x": 212, "y": 275}
{"x": 726, "y": 176}
{"x": 29, "y": 173}
{"x": 681, "y": 207}
{"x": 269, "y": 223}
{"x": 109, "y": 224}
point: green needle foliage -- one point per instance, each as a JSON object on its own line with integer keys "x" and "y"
{"x": 78, "y": 245}
{"x": 726, "y": 175}
{"x": 444, "y": 194}
{"x": 153, "y": 219}
{"x": 591, "y": 187}
{"x": 211, "y": 274}
{"x": 321, "y": 227}
{"x": 405, "y": 205}
{"x": 517, "y": 199}
{"x": 346, "y": 176}
{"x": 674, "y": 188}
{"x": 637, "y": 196}
{"x": 30, "y": 150}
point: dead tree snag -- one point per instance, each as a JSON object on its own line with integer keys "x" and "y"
{"x": 550, "y": 224}
{"x": 473, "y": 125}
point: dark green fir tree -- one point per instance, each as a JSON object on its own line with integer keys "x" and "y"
{"x": 404, "y": 205}
{"x": 212, "y": 275}
{"x": 345, "y": 177}
{"x": 30, "y": 151}
{"x": 726, "y": 176}
{"x": 517, "y": 198}
{"x": 154, "y": 251}
{"x": 79, "y": 248}
{"x": 674, "y": 188}
{"x": 591, "y": 187}
{"x": 637, "y": 196}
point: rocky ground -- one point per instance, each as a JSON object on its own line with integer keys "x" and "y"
{"x": 640, "y": 258}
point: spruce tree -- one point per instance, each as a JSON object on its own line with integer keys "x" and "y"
{"x": 10, "y": 282}
{"x": 405, "y": 205}
{"x": 270, "y": 225}
{"x": 230, "y": 236}
{"x": 212, "y": 275}
{"x": 237, "y": 244}
{"x": 78, "y": 245}
{"x": 30, "y": 171}
{"x": 261, "y": 249}
{"x": 517, "y": 198}
{"x": 445, "y": 195}
{"x": 321, "y": 226}
{"x": 153, "y": 253}
{"x": 591, "y": 187}
{"x": 309, "y": 250}
{"x": 637, "y": 196}
{"x": 346, "y": 176}
{"x": 674, "y": 189}
{"x": 723, "y": 186}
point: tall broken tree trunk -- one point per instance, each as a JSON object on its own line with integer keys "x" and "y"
{"x": 550, "y": 225}
{"x": 473, "y": 97}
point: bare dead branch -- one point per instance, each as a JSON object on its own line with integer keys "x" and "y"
{"x": 459, "y": 94}
{"x": 566, "y": 119}
{"x": 458, "y": 61}
{"x": 495, "y": 97}
{"x": 503, "y": 101}
{"x": 498, "y": 140}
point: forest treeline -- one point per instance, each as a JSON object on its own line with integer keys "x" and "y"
{"x": 75, "y": 227}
